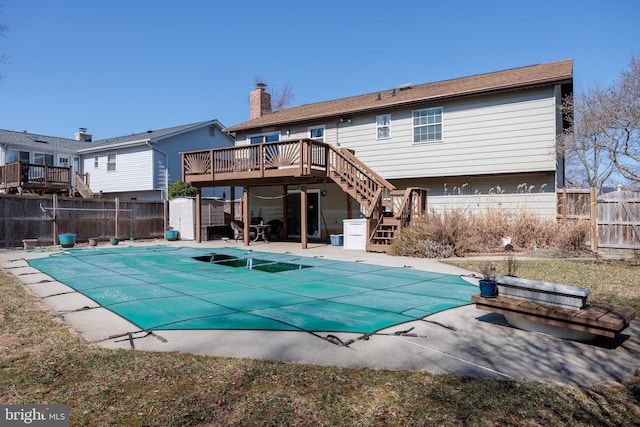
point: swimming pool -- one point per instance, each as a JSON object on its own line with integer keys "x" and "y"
{"x": 181, "y": 288}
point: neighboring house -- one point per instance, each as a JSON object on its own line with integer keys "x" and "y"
{"x": 40, "y": 149}
{"x": 141, "y": 166}
{"x": 480, "y": 142}
{"x": 36, "y": 149}
{"x": 138, "y": 166}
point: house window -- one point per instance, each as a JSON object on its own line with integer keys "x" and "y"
{"x": 427, "y": 125}
{"x": 43, "y": 159}
{"x": 96, "y": 164}
{"x": 383, "y": 126}
{"x": 212, "y": 131}
{"x": 14, "y": 156}
{"x": 265, "y": 137}
{"x": 111, "y": 162}
{"x": 317, "y": 133}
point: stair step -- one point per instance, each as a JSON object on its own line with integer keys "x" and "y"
{"x": 372, "y": 247}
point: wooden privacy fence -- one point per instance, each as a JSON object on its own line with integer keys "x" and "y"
{"x": 614, "y": 216}
{"x": 44, "y": 217}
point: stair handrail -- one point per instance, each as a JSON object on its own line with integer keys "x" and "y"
{"x": 365, "y": 169}
{"x": 405, "y": 199}
{"x": 82, "y": 186}
{"x": 381, "y": 185}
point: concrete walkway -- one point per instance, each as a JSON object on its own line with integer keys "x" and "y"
{"x": 462, "y": 341}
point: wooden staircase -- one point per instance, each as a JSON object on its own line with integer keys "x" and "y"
{"x": 387, "y": 209}
{"x": 82, "y": 186}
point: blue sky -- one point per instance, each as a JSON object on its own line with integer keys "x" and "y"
{"x": 121, "y": 66}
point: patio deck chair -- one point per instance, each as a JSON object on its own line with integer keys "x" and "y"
{"x": 238, "y": 230}
{"x": 274, "y": 231}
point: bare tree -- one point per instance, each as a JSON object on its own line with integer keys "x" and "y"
{"x": 622, "y": 129}
{"x": 280, "y": 98}
{"x": 603, "y": 139}
{"x": 582, "y": 143}
{"x": 3, "y": 29}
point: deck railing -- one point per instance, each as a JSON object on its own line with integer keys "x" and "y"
{"x": 27, "y": 175}
{"x": 296, "y": 157}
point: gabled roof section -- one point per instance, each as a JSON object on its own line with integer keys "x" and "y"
{"x": 37, "y": 141}
{"x": 559, "y": 72}
{"x": 153, "y": 135}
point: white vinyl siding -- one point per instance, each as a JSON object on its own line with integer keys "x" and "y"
{"x": 133, "y": 173}
{"x": 501, "y": 134}
{"x": 144, "y": 170}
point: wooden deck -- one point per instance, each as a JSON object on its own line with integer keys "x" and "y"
{"x": 307, "y": 161}
{"x": 295, "y": 161}
{"x": 24, "y": 177}
{"x": 598, "y": 319}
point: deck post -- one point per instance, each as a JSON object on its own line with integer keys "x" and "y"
{"x": 284, "y": 211}
{"x": 198, "y": 215}
{"x": 232, "y": 202}
{"x": 245, "y": 215}
{"x": 303, "y": 215}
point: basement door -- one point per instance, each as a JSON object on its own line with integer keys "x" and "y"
{"x": 313, "y": 214}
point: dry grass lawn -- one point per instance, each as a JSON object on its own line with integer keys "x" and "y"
{"x": 42, "y": 361}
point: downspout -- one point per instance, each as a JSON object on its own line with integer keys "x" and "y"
{"x": 166, "y": 170}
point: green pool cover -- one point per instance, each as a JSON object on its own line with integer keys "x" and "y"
{"x": 162, "y": 288}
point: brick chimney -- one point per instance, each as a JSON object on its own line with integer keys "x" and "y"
{"x": 82, "y": 135}
{"x": 259, "y": 101}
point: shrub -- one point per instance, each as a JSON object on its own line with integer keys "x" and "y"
{"x": 571, "y": 235}
{"x": 438, "y": 236}
{"x": 527, "y": 229}
{"x": 453, "y": 232}
{"x": 488, "y": 230}
{"x": 178, "y": 188}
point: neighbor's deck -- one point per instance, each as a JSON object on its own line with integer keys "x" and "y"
{"x": 19, "y": 177}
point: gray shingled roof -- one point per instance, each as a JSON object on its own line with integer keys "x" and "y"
{"x": 54, "y": 143}
{"x": 559, "y": 72}
{"x": 150, "y": 134}
{"x": 36, "y": 140}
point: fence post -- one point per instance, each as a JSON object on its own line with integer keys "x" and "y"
{"x": 594, "y": 220}
{"x": 564, "y": 204}
{"x": 117, "y": 212}
{"x": 55, "y": 227}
